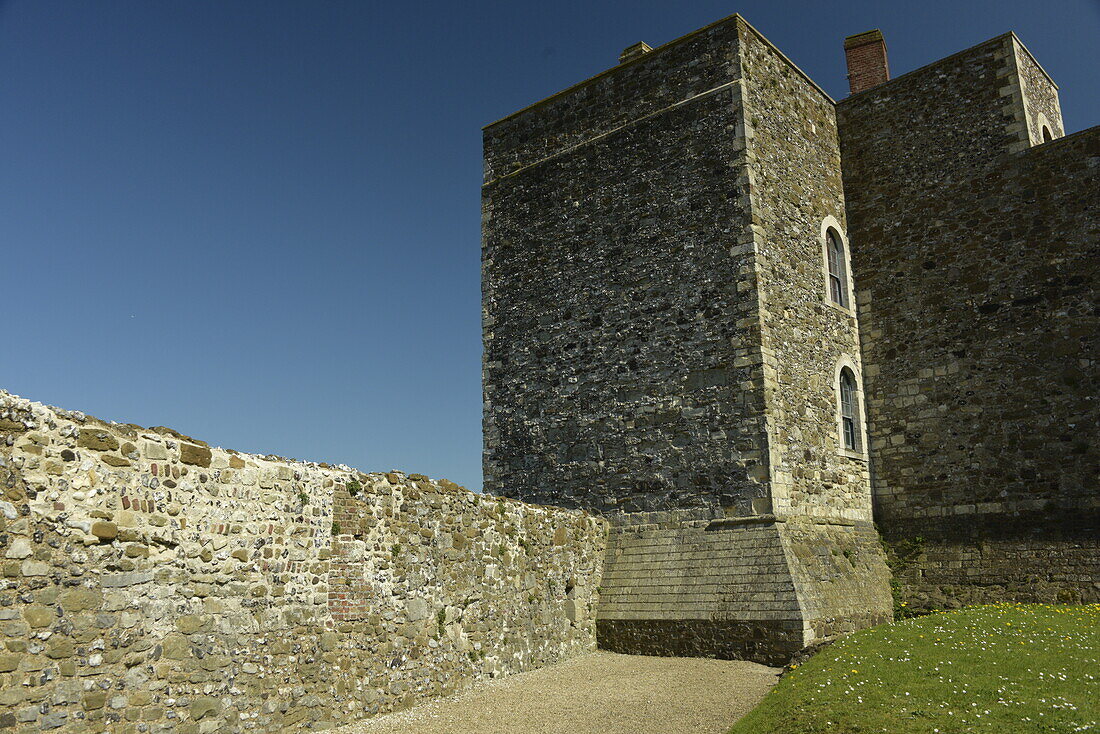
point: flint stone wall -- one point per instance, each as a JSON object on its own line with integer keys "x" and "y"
{"x": 658, "y": 339}
{"x": 986, "y": 559}
{"x": 977, "y": 284}
{"x": 152, "y": 583}
{"x": 794, "y": 168}
{"x": 622, "y": 363}
{"x": 656, "y": 323}
{"x": 920, "y": 133}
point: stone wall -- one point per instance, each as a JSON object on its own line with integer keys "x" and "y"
{"x": 151, "y": 583}
{"x": 794, "y": 161}
{"x": 977, "y": 284}
{"x": 985, "y": 559}
{"x": 658, "y": 339}
{"x": 1039, "y": 95}
{"x": 697, "y": 64}
{"x": 622, "y": 353}
{"x": 840, "y": 575}
{"x": 923, "y": 132}
{"x": 681, "y": 583}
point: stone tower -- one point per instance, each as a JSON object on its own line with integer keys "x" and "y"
{"x": 679, "y": 336}
{"x": 663, "y": 344}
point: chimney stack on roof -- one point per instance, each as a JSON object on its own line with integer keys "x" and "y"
{"x": 866, "y": 55}
{"x": 632, "y": 52}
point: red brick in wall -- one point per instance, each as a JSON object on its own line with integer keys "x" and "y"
{"x": 867, "y": 63}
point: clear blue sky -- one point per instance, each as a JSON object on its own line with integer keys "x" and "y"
{"x": 258, "y": 222}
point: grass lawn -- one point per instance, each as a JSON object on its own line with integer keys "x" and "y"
{"x": 1005, "y": 668}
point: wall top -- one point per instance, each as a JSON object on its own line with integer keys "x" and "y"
{"x": 653, "y": 51}
{"x": 862, "y": 39}
{"x": 946, "y": 59}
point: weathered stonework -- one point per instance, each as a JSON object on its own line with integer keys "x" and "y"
{"x": 977, "y": 284}
{"x": 659, "y": 337}
{"x": 990, "y": 558}
{"x": 759, "y": 588}
{"x": 622, "y": 365}
{"x": 660, "y": 347}
{"x": 681, "y": 584}
{"x": 1039, "y": 95}
{"x": 655, "y": 320}
{"x": 153, "y": 583}
{"x": 794, "y": 164}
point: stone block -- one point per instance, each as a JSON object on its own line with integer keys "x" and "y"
{"x": 175, "y": 647}
{"x": 34, "y": 568}
{"x": 155, "y": 451}
{"x": 19, "y": 549}
{"x": 38, "y": 615}
{"x": 104, "y": 530}
{"x": 60, "y": 647}
{"x": 195, "y": 455}
{"x": 95, "y": 700}
{"x": 96, "y": 439}
{"x": 133, "y": 578}
{"x": 190, "y": 623}
{"x": 204, "y": 706}
{"x": 416, "y": 609}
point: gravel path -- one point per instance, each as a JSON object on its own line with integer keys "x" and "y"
{"x": 600, "y": 693}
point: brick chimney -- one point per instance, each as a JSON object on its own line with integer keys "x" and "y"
{"x": 866, "y": 54}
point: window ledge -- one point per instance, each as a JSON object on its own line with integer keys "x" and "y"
{"x": 842, "y": 309}
{"x": 857, "y": 455}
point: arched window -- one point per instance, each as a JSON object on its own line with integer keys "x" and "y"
{"x": 838, "y": 270}
{"x": 1045, "y": 128}
{"x": 849, "y": 411}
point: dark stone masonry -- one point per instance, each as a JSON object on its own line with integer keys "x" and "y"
{"x": 622, "y": 363}
{"x": 742, "y": 321}
{"x": 744, "y": 345}
{"x": 977, "y": 290}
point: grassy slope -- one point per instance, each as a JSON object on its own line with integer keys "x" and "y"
{"x": 1004, "y": 668}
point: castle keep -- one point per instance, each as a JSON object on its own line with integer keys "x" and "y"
{"x": 742, "y": 321}
{"x": 730, "y": 324}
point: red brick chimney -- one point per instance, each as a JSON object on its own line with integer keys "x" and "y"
{"x": 866, "y": 54}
